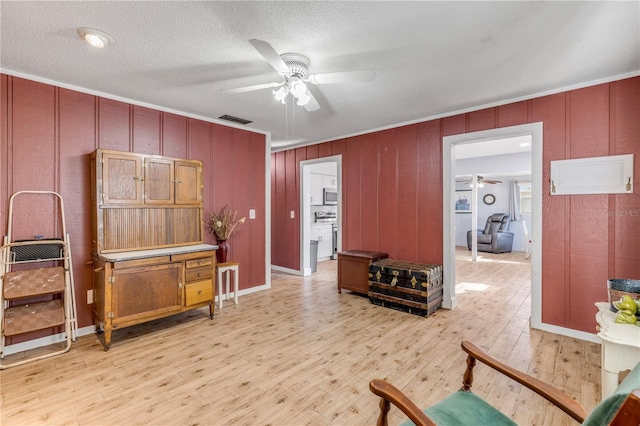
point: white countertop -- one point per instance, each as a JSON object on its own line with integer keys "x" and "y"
{"x": 141, "y": 254}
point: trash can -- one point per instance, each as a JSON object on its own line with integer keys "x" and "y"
{"x": 313, "y": 255}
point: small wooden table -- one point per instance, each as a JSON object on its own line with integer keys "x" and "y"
{"x": 620, "y": 347}
{"x": 226, "y": 268}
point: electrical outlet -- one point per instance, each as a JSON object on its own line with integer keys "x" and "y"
{"x": 252, "y": 213}
{"x": 89, "y": 297}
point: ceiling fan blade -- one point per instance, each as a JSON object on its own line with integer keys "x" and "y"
{"x": 269, "y": 53}
{"x": 312, "y": 105}
{"x": 342, "y": 77}
{"x": 491, "y": 181}
{"x": 252, "y": 88}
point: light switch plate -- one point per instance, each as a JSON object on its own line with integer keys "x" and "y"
{"x": 252, "y": 213}
{"x": 293, "y": 215}
{"x": 89, "y": 297}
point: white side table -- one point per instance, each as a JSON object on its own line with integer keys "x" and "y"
{"x": 620, "y": 347}
{"x": 225, "y": 269}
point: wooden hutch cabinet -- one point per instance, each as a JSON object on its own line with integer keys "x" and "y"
{"x": 147, "y": 239}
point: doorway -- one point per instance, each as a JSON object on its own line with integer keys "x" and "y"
{"x": 534, "y": 131}
{"x": 318, "y": 173}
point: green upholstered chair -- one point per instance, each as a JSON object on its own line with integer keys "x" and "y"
{"x": 466, "y": 408}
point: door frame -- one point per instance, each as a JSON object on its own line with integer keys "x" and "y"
{"x": 535, "y": 130}
{"x": 305, "y": 208}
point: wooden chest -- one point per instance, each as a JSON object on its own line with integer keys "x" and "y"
{"x": 411, "y": 287}
{"x": 353, "y": 269}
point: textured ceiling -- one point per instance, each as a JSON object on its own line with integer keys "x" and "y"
{"x": 430, "y": 58}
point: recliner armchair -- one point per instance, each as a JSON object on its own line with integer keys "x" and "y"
{"x": 495, "y": 237}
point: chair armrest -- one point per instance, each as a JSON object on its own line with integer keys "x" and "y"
{"x": 629, "y": 412}
{"x": 389, "y": 393}
{"x": 550, "y": 393}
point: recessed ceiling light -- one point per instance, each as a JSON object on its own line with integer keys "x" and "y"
{"x": 96, "y": 38}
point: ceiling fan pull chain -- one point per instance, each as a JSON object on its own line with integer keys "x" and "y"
{"x": 293, "y": 120}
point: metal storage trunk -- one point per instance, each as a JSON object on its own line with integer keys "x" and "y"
{"x": 411, "y": 287}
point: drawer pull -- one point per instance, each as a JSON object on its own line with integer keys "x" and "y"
{"x": 199, "y": 292}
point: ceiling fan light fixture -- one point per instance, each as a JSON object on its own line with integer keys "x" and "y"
{"x": 281, "y": 94}
{"x": 299, "y": 91}
{"x": 96, "y": 38}
{"x": 297, "y": 88}
{"x": 303, "y": 99}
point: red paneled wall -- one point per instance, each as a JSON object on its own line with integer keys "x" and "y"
{"x": 47, "y": 134}
{"x": 392, "y": 193}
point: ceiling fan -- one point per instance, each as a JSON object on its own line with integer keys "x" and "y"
{"x": 294, "y": 67}
{"x": 482, "y": 181}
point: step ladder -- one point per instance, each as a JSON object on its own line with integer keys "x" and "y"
{"x": 36, "y": 283}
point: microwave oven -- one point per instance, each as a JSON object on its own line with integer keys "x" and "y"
{"x": 329, "y": 197}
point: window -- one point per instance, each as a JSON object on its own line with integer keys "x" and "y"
{"x": 525, "y": 197}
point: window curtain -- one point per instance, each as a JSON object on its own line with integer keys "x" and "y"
{"x": 514, "y": 201}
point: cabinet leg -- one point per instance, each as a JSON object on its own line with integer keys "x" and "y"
{"x": 211, "y": 310}
{"x": 107, "y": 340}
{"x": 609, "y": 382}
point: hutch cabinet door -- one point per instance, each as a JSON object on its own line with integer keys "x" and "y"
{"x": 121, "y": 178}
{"x": 158, "y": 183}
{"x": 188, "y": 182}
{"x": 145, "y": 292}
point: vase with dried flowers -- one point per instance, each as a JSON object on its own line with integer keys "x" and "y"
{"x": 223, "y": 224}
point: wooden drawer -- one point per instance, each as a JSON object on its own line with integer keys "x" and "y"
{"x": 198, "y": 292}
{"x": 205, "y": 261}
{"x": 198, "y": 274}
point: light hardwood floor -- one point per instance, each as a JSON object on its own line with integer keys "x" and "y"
{"x": 302, "y": 354}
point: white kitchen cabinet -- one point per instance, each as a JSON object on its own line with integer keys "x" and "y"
{"x": 323, "y": 233}
{"x": 330, "y": 182}
{"x": 317, "y": 185}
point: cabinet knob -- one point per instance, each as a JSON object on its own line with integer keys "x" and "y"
{"x": 199, "y": 292}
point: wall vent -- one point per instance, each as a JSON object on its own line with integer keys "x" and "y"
{"x": 234, "y": 119}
